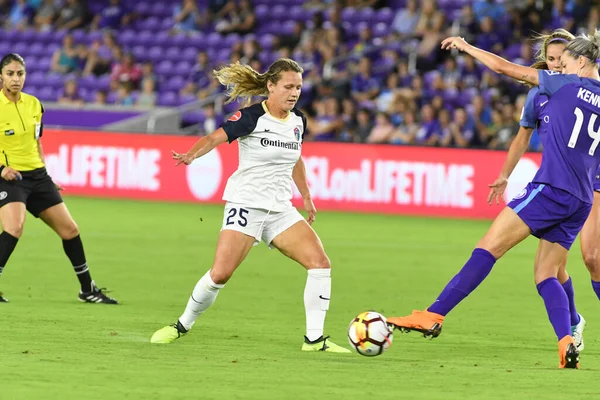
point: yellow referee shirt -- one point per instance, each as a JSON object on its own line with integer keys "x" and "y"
{"x": 20, "y": 129}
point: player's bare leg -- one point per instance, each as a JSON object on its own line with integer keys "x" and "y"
{"x": 506, "y": 231}
{"x": 12, "y": 217}
{"x": 548, "y": 260}
{"x": 232, "y": 249}
{"x": 301, "y": 243}
{"x": 60, "y": 221}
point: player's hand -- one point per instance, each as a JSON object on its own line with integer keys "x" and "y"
{"x": 9, "y": 174}
{"x": 497, "y": 190}
{"x": 309, "y": 206}
{"x": 454, "y": 42}
{"x": 58, "y": 187}
{"x": 182, "y": 158}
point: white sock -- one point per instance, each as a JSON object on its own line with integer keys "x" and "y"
{"x": 316, "y": 301}
{"x": 202, "y": 297}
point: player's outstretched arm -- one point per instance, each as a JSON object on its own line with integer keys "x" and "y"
{"x": 517, "y": 148}
{"x": 493, "y": 62}
{"x": 201, "y": 147}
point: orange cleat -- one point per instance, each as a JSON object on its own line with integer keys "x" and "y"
{"x": 428, "y": 323}
{"x": 568, "y": 353}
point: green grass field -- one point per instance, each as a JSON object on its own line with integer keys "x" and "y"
{"x": 498, "y": 344}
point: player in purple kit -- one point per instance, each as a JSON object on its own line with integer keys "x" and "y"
{"x": 556, "y": 203}
{"x": 551, "y": 49}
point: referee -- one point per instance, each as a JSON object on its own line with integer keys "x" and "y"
{"x": 25, "y": 184}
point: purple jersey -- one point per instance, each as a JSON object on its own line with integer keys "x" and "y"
{"x": 532, "y": 110}
{"x": 571, "y": 133}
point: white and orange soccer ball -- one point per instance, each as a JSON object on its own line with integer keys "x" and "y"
{"x": 370, "y": 334}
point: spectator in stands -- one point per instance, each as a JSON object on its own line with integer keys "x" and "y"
{"x": 70, "y": 94}
{"x": 199, "y": 76}
{"x": 463, "y": 130}
{"x": 407, "y": 131}
{"x": 387, "y": 95}
{"x": 469, "y": 27}
{"x": 125, "y": 95}
{"x": 364, "y": 125}
{"x": 488, "y": 8}
{"x": 349, "y": 123}
{"x": 147, "y": 97}
{"x": 480, "y": 114}
{"x": 186, "y": 16}
{"x": 561, "y": 18}
{"x": 102, "y": 55}
{"x": 72, "y": 15}
{"x": 470, "y": 74}
{"x": 488, "y": 38}
{"x": 210, "y": 120}
{"x": 365, "y": 87}
{"x": 45, "y": 16}
{"x": 20, "y": 15}
{"x": 406, "y": 19}
{"x": 5, "y": 6}
{"x": 114, "y": 16}
{"x": 127, "y": 71}
{"x": 365, "y": 40}
{"x": 444, "y": 131}
{"x": 66, "y": 59}
{"x": 100, "y": 98}
{"x": 383, "y": 129}
{"x": 429, "y": 29}
{"x": 290, "y": 41}
{"x": 451, "y": 75}
{"x": 327, "y": 123}
{"x": 428, "y": 133}
{"x": 506, "y": 128}
{"x": 148, "y": 74}
{"x": 241, "y": 19}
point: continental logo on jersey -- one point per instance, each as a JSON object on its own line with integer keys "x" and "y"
{"x": 264, "y": 142}
{"x": 235, "y": 117}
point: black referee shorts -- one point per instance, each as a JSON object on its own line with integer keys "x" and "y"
{"x": 36, "y": 190}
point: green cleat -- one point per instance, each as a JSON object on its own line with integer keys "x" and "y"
{"x": 168, "y": 334}
{"x": 323, "y": 344}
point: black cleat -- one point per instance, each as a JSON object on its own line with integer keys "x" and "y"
{"x": 572, "y": 357}
{"x": 96, "y": 296}
{"x": 3, "y": 299}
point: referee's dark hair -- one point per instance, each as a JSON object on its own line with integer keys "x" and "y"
{"x": 10, "y": 57}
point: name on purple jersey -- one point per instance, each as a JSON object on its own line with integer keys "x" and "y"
{"x": 589, "y": 97}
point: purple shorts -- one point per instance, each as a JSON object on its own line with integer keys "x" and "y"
{"x": 597, "y": 180}
{"x": 552, "y": 214}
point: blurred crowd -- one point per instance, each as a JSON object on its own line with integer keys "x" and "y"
{"x": 364, "y": 82}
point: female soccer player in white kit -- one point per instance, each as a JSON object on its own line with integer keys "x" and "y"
{"x": 259, "y": 196}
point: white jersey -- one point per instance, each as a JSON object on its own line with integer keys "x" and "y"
{"x": 269, "y": 148}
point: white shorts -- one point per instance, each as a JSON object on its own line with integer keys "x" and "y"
{"x": 260, "y": 224}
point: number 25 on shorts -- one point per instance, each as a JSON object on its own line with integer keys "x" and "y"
{"x": 241, "y": 214}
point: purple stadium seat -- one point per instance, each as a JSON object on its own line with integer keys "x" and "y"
{"x": 223, "y": 55}
{"x": 214, "y": 40}
{"x": 175, "y": 83}
{"x": 145, "y": 38}
{"x": 279, "y": 12}
{"x": 188, "y": 98}
{"x": 164, "y": 67}
{"x": 182, "y": 68}
{"x": 288, "y": 27}
{"x": 167, "y": 99}
{"x": 79, "y": 35}
{"x": 172, "y": 53}
{"x": 111, "y": 98}
{"x": 142, "y": 9}
{"x": 21, "y": 48}
{"x": 47, "y": 93}
{"x": 87, "y": 82}
{"x": 193, "y": 117}
{"x": 36, "y": 78}
{"x": 348, "y": 14}
{"x": 128, "y": 38}
{"x": 266, "y": 41}
{"x": 103, "y": 82}
{"x": 262, "y": 12}
{"x": 385, "y": 15}
{"x": 159, "y": 9}
{"x": 232, "y": 39}
{"x": 189, "y": 54}
{"x": 154, "y": 54}
{"x": 365, "y": 14}
{"x": 4, "y": 47}
{"x": 36, "y": 48}
{"x": 381, "y": 29}
{"x": 166, "y": 23}
{"x": 151, "y": 23}
{"x": 28, "y": 35}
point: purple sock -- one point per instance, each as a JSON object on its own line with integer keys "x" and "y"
{"x": 557, "y": 306}
{"x": 596, "y": 287}
{"x": 469, "y": 277}
{"x": 568, "y": 286}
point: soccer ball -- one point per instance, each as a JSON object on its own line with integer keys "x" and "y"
{"x": 370, "y": 334}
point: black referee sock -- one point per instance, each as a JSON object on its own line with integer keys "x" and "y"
{"x": 74, "y": 250}
{"x": 7, "y": 245}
